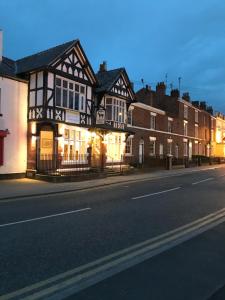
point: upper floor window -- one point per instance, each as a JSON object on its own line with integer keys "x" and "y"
{"x": 115, "y": 110}
{"x": 70, "y": 94}
{"x": 185, "y": 149}
{"x": 170, "y": 125}
{"x": 196, "y": 116}
{"x": 130, "y": 117}
{"x": 185, "y": 128}
{"x": 196, "y": 130}
{"x": 152, "y": 121}
{"x": 185, "y": 111}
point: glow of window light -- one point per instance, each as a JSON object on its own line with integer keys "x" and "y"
{"x": 33, "y": 127}
{"x": 218, "y": 136}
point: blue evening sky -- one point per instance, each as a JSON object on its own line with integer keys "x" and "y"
{"x": 150, "y": 38}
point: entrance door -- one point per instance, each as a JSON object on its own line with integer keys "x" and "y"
{"x": 46, "y": 151}
{"x": 141, "y": 151}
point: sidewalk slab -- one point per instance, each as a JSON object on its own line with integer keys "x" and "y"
{"x": 20, "y": 188}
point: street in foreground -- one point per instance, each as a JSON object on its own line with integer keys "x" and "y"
{"x": 152, "y": 239}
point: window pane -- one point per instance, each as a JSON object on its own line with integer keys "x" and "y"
{"x": 71, "y": 86}
{"x": 71, "y": 99}
{"x": 77, "y": 88}
{"x": 76, "y": 105}
{"x": 82, "y": 89}
{"x": 58, "y": 81}
{"x": 58, "y": 96}
{"x": 109, "y": 112}
{"x": 65, "y": 98}
{"x": 65, "y": 84}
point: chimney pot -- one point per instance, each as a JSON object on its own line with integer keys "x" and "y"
{"x": 186, "y": 96}
{"x": 161, "y": 89}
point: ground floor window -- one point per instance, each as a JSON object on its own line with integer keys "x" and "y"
{"x": 185, "y": 149}
{"x": 176, "y": 151}
{"x": 128, "y": 149}
{"x": 152, "y": 148}
{"x": 115, "y": 143}
{"x": 161, "y": 150}
{"x": 74, "y": 144}
{"x": 169, "y": 148}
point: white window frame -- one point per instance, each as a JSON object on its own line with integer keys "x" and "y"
{"x": 153, "y": 144}
{"x": 196, "y": 116}
{"x": 196, "y": 131}
{"x": 185, "y": 128}
{"x": 118, "y": 109}
{"x": 129, "y": 144}
{"x": 185, "y": 111}
{"x": 81, "y": 95}
{"x": 152, "y": 121}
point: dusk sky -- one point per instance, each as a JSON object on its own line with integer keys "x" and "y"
{"x": 181, "y": 38}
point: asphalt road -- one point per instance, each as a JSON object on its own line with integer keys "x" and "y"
{"x": 44, "y": 236}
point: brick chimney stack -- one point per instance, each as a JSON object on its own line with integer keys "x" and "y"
{"x": 103, "y": 67}
{"x": 161, "y": 89}
{"x": 175, "y": 93}
{"x": 186, "y": 96}
{"x": 1, "y": 44}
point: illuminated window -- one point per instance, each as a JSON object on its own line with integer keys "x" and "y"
{"x": 75, "y": 145}
{"x": 176, "y": 151}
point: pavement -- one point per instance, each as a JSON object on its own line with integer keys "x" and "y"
{"x": 47, "y": 240}
{"x": 19, "y": 188}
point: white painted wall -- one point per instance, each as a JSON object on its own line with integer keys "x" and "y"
{"x": 14, "y": 111}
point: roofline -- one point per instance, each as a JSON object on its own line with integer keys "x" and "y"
{"x": 14, "y": 78}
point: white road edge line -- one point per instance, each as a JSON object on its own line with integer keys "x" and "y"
{"x": 45, "y": 217}
{"x": 157, "y": 193}
{"x": 207, "y": 179}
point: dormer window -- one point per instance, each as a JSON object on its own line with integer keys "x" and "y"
{"x": 69, "y": 94}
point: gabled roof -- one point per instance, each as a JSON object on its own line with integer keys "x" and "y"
{"x": 106, "y": 79}
{"x": 42, "y": 59}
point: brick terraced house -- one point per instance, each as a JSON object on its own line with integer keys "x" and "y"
{"x": 168, "y": 125}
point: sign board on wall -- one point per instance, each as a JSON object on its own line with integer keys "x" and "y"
{"x": 100, "y": 116}
{"x": 73, "y": 117}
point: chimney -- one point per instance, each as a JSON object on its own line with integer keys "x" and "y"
{"x": 1, "y": 44}
{"x": 103, "y": 67}
{"x": 196, "y": 103}
{"x": 175, "y": 93}
{"x": 203, "y": 105}
{"x": 147, "y": 87}
{"x": 210, "y": 110}
{"x": 161, "y": 89}
{"x": 186, "y": 96}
